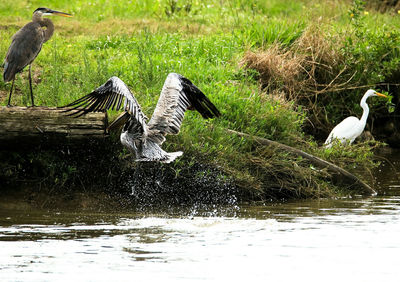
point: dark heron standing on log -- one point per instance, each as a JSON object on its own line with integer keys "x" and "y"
{"x": 26, "y": 45}
{"x": 177, "y": 95}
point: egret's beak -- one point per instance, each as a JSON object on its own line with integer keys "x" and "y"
{"x": 60, "y": 13}
{"x": 380, "y": 94}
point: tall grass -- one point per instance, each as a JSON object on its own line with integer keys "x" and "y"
{"x": 143, "y": 41}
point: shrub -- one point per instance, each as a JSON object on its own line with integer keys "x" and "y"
{"x": 329, "y": 72}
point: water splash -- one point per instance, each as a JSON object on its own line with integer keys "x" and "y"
{"x": 200, "y": 190}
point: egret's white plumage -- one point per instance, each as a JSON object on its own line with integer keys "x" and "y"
{"x": 145, "y": 139}
{"x": 350, "y": 128}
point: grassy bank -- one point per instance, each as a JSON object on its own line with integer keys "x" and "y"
{"x": 211, "y": 43}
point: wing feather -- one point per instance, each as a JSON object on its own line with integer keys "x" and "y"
{"x": 120, "y": 99}
{"x": 177, "y": 95}
{"x": 107, "y": 96}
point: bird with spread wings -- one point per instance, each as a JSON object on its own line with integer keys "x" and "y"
{"x": 144, "y": 138}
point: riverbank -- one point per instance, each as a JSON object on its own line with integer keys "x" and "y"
{"x": 102, "y": 179}
{"x": 209, "y": 43}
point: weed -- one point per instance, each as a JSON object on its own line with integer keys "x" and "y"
{"x": 143, "y": 41}
{"x": 172, "y": 7}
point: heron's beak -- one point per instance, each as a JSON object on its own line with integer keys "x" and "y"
{"x": 61, "y": 14}
{"x": 380, "y": 94}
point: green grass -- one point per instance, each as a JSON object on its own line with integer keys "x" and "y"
{"x": 143, "y": 41}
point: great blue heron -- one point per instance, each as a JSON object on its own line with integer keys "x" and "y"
{"x": 144, "y": 140}
{"x": 26, "y": 45}
{"x": 351, "y": 127}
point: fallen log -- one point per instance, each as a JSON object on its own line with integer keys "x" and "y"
{"x": 339, "y": 175}
{"x": 22, "y": 125}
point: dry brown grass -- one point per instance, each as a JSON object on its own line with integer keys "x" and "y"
{"x": 3, "y": 95}
{"x": 127, "y": 27}
{"x": 321, "y": 58}
{"x": 304, "y": 71}
{"x": 72, "y": 27}
{"x": 276, "y": 67}
{"x": 308, "y": 67}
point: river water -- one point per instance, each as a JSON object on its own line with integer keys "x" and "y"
{"x": 354, "y": 239}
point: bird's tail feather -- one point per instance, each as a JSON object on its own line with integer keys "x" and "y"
{"x": 167, "y": 158}
{"x": 172, "y": 156}
{"x": 9, "y": 72}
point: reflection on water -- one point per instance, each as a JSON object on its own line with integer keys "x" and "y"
{"x": 330, "y": 240}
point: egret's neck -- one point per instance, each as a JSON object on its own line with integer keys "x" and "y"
{"x": 365, "y": 107}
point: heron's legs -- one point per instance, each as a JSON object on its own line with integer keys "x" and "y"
{"x": 30, "y": 85}
{"x": 9, "y": 98}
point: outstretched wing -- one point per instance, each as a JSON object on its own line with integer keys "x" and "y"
{"x": 111, "y": 95}
{"x": 177, "y": 95}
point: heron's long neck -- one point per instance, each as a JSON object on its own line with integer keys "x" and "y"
{"x": 48, "y": 33}
{"x": 44, "y": 22}
{"x": 365, "y": 107}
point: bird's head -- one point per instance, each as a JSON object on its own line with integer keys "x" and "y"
{"x": 372, "y": 92}
{"x": 48, "y": 12}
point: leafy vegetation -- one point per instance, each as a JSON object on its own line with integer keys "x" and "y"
{"x": 212, "y": 42}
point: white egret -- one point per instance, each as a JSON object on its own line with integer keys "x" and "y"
{"x": 350, "y": 128}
